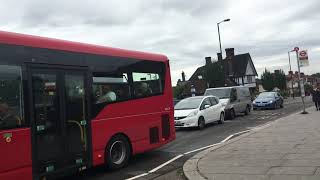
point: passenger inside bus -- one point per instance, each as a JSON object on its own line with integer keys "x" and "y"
{"x": 107, "y": 95}
{"x": 143, "y": 89}
{"x": 7, "y": 118}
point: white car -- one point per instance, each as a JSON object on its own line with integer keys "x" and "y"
{"x": 198, "y": 111}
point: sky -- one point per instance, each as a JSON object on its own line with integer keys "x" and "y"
{"x": 185, "y": 31}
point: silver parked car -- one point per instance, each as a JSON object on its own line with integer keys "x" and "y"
{"x": 236, "y": 99}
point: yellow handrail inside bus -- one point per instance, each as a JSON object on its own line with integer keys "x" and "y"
{"x": 81, "y": 132}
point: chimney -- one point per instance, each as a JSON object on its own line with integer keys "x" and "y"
{"x": 208, "y": 60}
{"x": 183, "y": 77}
{"x": 229, "y": 53}
{"x": 229, "y": 58}
{"x": 219, "y": 56}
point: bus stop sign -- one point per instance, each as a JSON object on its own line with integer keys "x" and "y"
{"x": 303, "y": 58}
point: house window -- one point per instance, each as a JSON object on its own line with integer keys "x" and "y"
{"x": 249, "y": 79}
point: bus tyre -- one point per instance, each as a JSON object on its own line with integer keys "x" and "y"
{"x": 201, "y": 123}
{"x": 117, "y": 152}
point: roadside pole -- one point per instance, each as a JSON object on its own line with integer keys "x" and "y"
{"x": 291, "y": 91}
{"x": 301, "y": 84}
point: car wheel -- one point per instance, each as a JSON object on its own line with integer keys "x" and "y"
{"x": 232, "y": 114}
{"x": 275, "y": 106}
{"x": 117, "y": 152}
{"x": 247, "y": 112}
{"x": 201, "y": 123}
{"x": 221, "y": 120}
{"x": 281, "y": 106}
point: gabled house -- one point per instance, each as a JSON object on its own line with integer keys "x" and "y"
{"x": 239, "y": 69}
{"x": 242, "y": 70}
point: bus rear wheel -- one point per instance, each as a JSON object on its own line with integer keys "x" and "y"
{"x": 117, "y": 153}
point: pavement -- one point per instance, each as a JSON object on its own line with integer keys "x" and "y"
{"x": 288, "y": 148}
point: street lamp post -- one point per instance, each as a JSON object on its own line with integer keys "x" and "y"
{"x": 291, "y": 74}
{"x": 226, "y": 20}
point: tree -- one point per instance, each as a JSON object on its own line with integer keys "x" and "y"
{"x": 214, "y": 74}
{"x": 316, "y": 75}
{"x": 177, "y": 92}
{"x": 280, "y": 80}
{"x": 308, "y": 88}
{"x": 267, "y": 80}
{"x": 272, "y": 80}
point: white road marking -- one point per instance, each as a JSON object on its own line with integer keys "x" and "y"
{"x": 139, "y": 176}
{"x": 189, "y": 152}
{"x": 166, "y": 163}
{"x": 206, "y": 147}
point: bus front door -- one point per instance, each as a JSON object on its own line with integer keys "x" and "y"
{"x": 59, "y": 111}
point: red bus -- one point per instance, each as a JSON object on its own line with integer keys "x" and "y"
{"x": 67, "y": 106}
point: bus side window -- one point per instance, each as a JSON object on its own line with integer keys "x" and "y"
{"x": 146, "y": 84}
{"x": 109, "y": 89}
{"x": 11, "y": 100}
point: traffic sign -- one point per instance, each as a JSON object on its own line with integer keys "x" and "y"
{"x": 303, "y": 54}
{"x": 303, "y": 58}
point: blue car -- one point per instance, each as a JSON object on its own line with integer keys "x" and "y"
{"x": 268, "y": 100}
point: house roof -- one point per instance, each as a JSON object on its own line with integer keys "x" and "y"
{"x": 239, "y": 66}
{"x": 199, "y": 71}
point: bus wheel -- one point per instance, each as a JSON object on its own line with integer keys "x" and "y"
{"x": 117, "y": 152}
